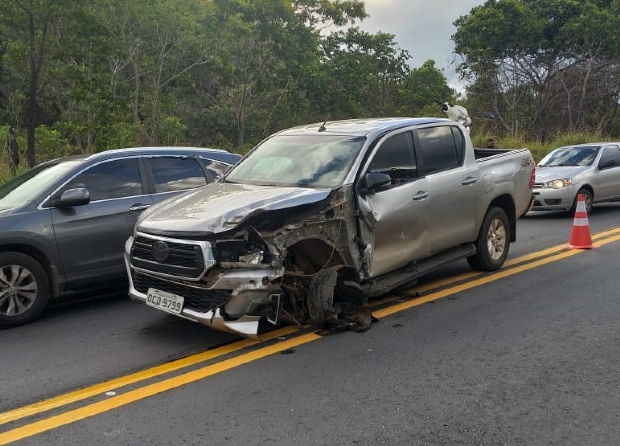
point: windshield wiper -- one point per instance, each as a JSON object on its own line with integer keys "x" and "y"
{"x": 557, "y": 165}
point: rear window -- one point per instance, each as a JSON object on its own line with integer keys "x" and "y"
{"x": 439, "y": 149}
{"x": 176, "y": 174}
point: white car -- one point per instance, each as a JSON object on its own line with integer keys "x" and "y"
{"x": 591, "y": 169}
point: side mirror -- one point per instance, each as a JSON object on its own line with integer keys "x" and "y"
{"x": 78, "y": 196}
{"x": 375, "y": 181}
{"x": 607, "y": 164}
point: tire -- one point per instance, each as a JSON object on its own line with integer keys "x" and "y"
{"x": 336, "y": 301}
{"x": 24, "y": 289}
{"x": 493, "y": 241}
{"x": 588, "y": 199}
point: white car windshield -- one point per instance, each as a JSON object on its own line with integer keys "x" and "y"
{"x": 570, "y": 156}
{"x": 319, "y": 161}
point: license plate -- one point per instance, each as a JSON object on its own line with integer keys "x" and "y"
{"x": 164, "y": 301}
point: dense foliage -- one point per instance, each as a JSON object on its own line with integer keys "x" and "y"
{"x": 544, "y": 67}
{"x": 97, "y": 74}
{"x": 80, "y": 77}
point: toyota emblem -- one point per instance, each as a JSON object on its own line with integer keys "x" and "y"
{"x": 160, "y": 251}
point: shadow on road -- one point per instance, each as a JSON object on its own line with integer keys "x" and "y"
{"x": 598, "y": 209}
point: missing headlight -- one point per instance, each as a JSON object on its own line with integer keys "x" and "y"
{"x": 238, "y": 251}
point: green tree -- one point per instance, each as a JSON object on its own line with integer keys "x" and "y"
{"x": 421, "y": 87}
{"x": 266, "y": 70}
{"x": 320, "y": 14}
{"x": 363, "y": 71}
{"x": 159, "y": 44}
{"x": 31, "y": 26}
{"x": 543, "y": 65}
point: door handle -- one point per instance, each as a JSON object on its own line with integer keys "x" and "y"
{"x": 139, "y": 207}
{"x": 421, "y": 195}
{"x": 469, "y": 180}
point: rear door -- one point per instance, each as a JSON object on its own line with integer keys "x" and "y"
{"x": 91, "y": 238}
{"x": 395, "y": 220}
{"x": 454, "y": 185}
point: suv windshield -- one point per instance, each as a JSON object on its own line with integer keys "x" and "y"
{"x": 318, "y": 160}
{"x": 570, "y": 156}
{"x": 26, "y": 187}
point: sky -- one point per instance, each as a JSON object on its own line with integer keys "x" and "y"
{"x": 422, "y": 27}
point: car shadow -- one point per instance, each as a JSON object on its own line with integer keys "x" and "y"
{"x": 116, "y": 314}
{"x": 598, "y": 209}
{"x": 84, "y": 302}
{"x": 548, "y": 215}
{"x": 191, "y": 336}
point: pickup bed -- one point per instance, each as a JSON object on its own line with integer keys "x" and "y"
{"x": 317, "y": 219}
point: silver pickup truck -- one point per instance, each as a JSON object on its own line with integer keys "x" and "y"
{"x": 317, "y": 219}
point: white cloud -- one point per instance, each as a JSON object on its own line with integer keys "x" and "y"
{"x": 421, "y": 27}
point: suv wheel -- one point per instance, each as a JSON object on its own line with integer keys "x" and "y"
{"x": 24, "y": 289}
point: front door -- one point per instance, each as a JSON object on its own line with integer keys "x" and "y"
{"x": 607, "y": 182}
{"x": 395, "y": 220}
{"x": 91, "y": 237}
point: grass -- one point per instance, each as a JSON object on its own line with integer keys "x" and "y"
{"x": 538, "y": 149}
{"x": 5, "y": 172}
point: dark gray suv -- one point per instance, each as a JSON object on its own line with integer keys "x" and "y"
{"x": 63, "y": 224}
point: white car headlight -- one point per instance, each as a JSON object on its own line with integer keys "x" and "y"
{"x": 558, "y": 184}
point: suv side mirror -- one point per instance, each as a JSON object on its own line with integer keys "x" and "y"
{"x": 375, "y": 181}
{"x": 78, "y": 196}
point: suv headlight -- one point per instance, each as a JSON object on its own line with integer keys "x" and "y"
{"x": 558, "y": 184}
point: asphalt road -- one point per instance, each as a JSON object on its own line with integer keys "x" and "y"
{"x": 529, "y": 356}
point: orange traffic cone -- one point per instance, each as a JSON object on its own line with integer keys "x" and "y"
{"x": 580, "y": 237}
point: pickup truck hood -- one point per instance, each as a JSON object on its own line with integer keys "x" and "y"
{"x": 220, "y": 207}
{"x": 544, "y": 174}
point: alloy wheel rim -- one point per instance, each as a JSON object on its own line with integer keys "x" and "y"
{"x": 496, "y": 239}
{"x": 18, "y": 290}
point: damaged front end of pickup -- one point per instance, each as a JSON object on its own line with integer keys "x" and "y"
{"x": 291, "y": 260}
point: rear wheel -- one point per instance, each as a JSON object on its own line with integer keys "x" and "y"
{"x": 493, "y": 241}
{"x": 587, "y": 196}
{"x": 24, "y": 289}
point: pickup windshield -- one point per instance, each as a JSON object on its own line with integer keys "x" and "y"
{"x": 318, "y": 161}
{"x": 570, "y": 156}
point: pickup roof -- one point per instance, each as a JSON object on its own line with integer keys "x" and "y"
{"x": 317, "y": 219}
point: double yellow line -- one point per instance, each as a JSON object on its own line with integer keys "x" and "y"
{"x": 436, "y": 290}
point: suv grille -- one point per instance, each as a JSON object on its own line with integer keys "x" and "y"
{"x": 196, "y": 299}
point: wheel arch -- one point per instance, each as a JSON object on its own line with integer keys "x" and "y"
{"x": 506, "y": 203}
{"x": 589, "y": 188}
{"x": 53, "y": 277}
{"x": 313, "y": 254}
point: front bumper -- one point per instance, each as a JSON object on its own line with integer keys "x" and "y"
{"x": 553, "y": 199}
{"x": 206, "y": 304}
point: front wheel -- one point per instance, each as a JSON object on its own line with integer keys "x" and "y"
{"x": 587, "y": 198}
{"x": 24, "y": 289}
{"x": 493, "y": 241}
